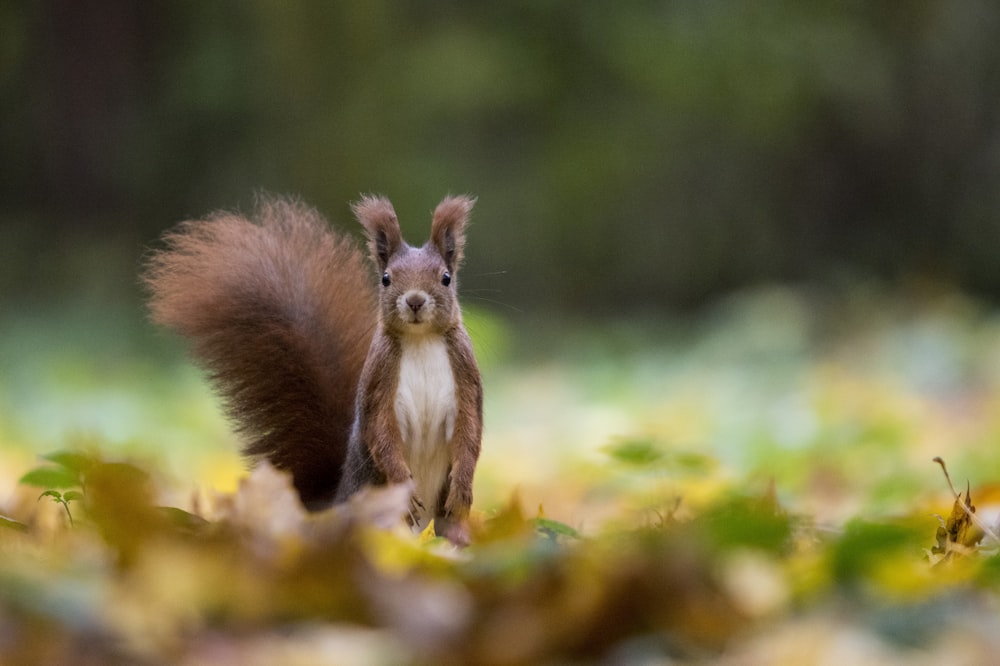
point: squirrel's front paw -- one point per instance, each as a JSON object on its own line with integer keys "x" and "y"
{"x": 416, "y": 510}
{"x": 455, "y": 531}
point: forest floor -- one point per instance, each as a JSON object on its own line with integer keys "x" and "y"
{"x": 754, "y": 484}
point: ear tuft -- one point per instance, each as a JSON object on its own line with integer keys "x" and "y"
{"x": 448, "y": 228}
{"x": 378, "y": 217}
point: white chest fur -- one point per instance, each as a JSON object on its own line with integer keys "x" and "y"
{"x": 425, "y": 411}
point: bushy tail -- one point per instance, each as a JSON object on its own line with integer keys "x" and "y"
{"x": 280, "y": 311}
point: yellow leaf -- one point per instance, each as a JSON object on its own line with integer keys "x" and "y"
{"x": 958, "y": 534}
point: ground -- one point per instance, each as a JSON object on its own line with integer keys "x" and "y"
{"x": 753, "y": 483}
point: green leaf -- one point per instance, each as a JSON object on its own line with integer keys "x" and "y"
{"x": 181, "y": 519}
{"x": 71, "y": 495}
{"x": 54, "y": 494}
{"x": 865, "y": 545}
{"x": 11, "y": 524}
{"x": 638, "y": 452}
{"x": 50, "y": 477}
{"x": 693, "y": 463}
{"x": 553, "y": 528}
{"x": 746, "y": 522}
{"x": 71, "y": 460}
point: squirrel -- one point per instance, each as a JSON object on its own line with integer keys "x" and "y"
{"x": 343, "y": 377}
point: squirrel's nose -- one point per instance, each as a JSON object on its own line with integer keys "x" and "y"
{"x": 416, "y": 301}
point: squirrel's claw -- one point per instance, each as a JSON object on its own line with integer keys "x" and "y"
{"x": 415, "y": 511}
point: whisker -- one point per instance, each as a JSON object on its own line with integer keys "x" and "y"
{"x": 481, "y": 291}
{"x": 496, "y": 302}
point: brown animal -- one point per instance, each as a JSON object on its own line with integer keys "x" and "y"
{"x": 343, "y": 377}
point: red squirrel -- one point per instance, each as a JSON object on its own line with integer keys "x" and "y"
{"x": 343, "y": 377}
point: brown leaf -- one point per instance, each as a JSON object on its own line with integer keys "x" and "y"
{"x": 120, "y": 502}
{"x": 958, "y": 533}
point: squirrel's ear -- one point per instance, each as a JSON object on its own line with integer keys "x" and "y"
{"x": 378, "y": 218}
{"x": 448, "y": 228}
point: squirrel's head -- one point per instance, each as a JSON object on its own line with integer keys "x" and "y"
{"x": 418, "y": 286}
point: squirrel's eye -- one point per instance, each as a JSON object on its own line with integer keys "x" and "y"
{"x": 446, "y": 278}
{"x": 385, "y": 279}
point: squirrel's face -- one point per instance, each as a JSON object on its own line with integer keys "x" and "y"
{"x": 418, "y": 292}
{"x": 418, "y": 286}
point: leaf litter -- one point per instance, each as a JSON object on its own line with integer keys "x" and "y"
{"x": 646, "y": 550}
{"x": 252, "y": 573}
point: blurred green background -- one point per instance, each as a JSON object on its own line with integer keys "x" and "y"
{"x": 636, "y": 164}
{"x": 627, "y": 156}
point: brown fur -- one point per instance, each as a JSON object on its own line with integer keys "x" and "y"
{"x": 378, "y": 217}
{"x": 376, "y": 453}
{"x": 279, "y": 311}
{"x": 467, "y": 440}
{"x": 448, "y": 228}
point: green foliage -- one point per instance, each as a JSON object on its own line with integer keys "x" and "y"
{"x": 528, "y": 589}
{"x": 553, "y": 529}
{"x": 747, "y": 522}
{"x": 662, "y": 151}
{"x": 66, "y": 471}
{"x": 50, "y": 477}
{"x": 635, "y": 452}
{"x": 747, "y": 486}
{"x": 63, "y": 500}
{"x": 866, "y": 545}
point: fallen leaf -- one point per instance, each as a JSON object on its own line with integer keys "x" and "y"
{"x": 958, "y": 533}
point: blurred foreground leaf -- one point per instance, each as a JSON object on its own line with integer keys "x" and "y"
{"x": 746, "y": 522}
{"x": 639, "y": 452}
{"x": 658, "y": 546}
{"x": 72, "y": 461}
{"x": 553, "y": 528}
{"x": 11, "y": 524}
{"x": 51, "y": 477}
